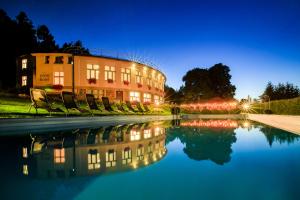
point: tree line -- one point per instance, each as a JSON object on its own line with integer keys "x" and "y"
{"x": 280, "y": 91}
{"x": 203, "y": 84}
{"x": 19, "y": 36}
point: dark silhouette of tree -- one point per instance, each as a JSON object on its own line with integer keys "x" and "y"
{"x": 208, "y": 83}
{"x": 75, "y": 48}
{"x": 280, "y": 91}
{"x": 45, "y": 40}
{"x": 276, "y": 135}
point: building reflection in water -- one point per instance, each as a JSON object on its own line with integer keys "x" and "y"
{"x": 93, "y": 151}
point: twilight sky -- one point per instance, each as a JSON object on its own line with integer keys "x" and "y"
{"x": 259, "y": 40}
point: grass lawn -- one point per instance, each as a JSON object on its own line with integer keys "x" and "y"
{"x": 16, "y": 107}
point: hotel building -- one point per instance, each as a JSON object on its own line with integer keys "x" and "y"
{"x": 118, "y": 79}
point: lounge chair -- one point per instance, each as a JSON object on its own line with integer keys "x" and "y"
{"x": 128, "y": 104}
{"x": 146, "y": 108}
{"x": 39, "y": 100}
{"x": 140, "y": 108}
{"x": 106, "y": 104}
{"x": 91, "y": 102}
{"x": 69, "y": 102}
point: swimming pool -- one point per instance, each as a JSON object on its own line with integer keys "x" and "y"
{"x": 188, "y": 159}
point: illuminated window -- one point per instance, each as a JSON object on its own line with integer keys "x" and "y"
{"x": 156, "y": 99}
{"x": 92, "y": 71}
{"x": 138, "y": 77}
{"x": 147, "y": 97}
{"x": 25, "y": 152}
{"x": 126, "y": 156}
{"x": 134, "y": 96}
{"x": 135, "y": 135}
{"x": 157, "y": 131}
{"x": 150, "y": 148}
{"x": 140, "y": 152}
{"x": 110, "y": 73}
{"x": 110, "y": 158}
{"x": 93, "y": 160}
{"x": 24, "y": 63}
{"x": 59, "y": 155}
{"x": 147, "y": 133}
{"x": 125, "y": 75}
{"x": 24, "y": 80}
{"x": 58, "y": 78}
{"x": 59, "y": 60}
{"x": 25, "y": 169}
{"x": 149, "y": 80}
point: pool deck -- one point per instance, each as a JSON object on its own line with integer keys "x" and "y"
{"x": 34, "y": 125}
{"x": 289, "y": 123}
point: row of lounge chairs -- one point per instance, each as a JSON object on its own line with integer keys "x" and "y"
{"x": 40, "y": 99}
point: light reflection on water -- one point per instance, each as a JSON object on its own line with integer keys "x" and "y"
{"x": 75, "y": 163}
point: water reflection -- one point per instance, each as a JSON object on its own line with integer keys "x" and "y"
{"x": 276, "y": 135}
{"x": 93, "y": 151}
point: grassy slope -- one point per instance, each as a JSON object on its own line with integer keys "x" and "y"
{"x": 19, "y": 107}
{"x": 281, "y": 107}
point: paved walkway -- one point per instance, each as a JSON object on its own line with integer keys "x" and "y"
{"x": 33, "y": 125}
{"x": 289, "y": 123}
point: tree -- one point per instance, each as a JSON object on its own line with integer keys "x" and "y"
{"x": 75, "y": 48}
{"x": 268, "y": 93}
{"x": 201, "y": 83}
{"x": 280, "y": 91}
{"x": 45, "y": 40}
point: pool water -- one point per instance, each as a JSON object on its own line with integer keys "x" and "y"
{"x": 198, "y": 159}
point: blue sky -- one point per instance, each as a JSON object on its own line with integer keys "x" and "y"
{"x": 258, "y": 40}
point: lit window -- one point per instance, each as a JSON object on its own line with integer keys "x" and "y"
{"x": 125, "y": 75}
{"x": 24, "y": 80}
{"x": 93, "y": 160}
{"x": 59, "y": 155}
{"x": 134, "y": 96}
{"x": 24, "y": 63}
{"x": 59, "y": 60}
{"x": 156, "y": 99}
{"x": 25, "y": 169}
{"x": 150, "y": 148}
{"x": 147, "y": 133}
{"x": 140, "y": 152}
{"x": 110, "y": 73}
{"x": 135, "y": 135}
{"x": 126, "y": 156}
{"x": 149, "y": 80}
{"x": 92, "y": 71}
{"x": 58, "y": 78}
{"x": 110, "y": 158}
{"x": 138, "y": 77}
{"x": 147, "y": 98}
{"x": 157, "y": 131}
{"x": 25, "y": 152}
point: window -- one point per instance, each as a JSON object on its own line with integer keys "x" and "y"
{"x": 70, "y": 60}
{"x": 147, "y": 133}
{"x": 156, "y": 99}
{"x": 92, "y": 71}
{"x": 110, "y": 158}
{"x": 24, "y": 80}
{"x": 93, "y": 160}
{"x": 157, "y": 131}
{"x": 138, "y": 77}
{"x": 58, "y": 78}
{"x": 59, "y": 155}
{"x": 156, "y": 145}
{"x": 25, "y": 170}
{"x": 135, "y": 135}
{"x": 126, "y": 156}
{"x": 134, "y": 96}
{"x": 59, "y": 60}
{"x": 47, "y": 59}
{"x": 110, "y": 73}
{"x": 24, "y": 63}
{"x": 140, "y": 152}
{"x": 125, "y": 75}
{"x": 149, "y": 80}
{"x": 25, "y": 152}
{"x": 150, "y": 148}
{"x": 147, "y": 98}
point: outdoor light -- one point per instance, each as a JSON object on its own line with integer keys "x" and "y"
{"x": 246, "y": 106}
